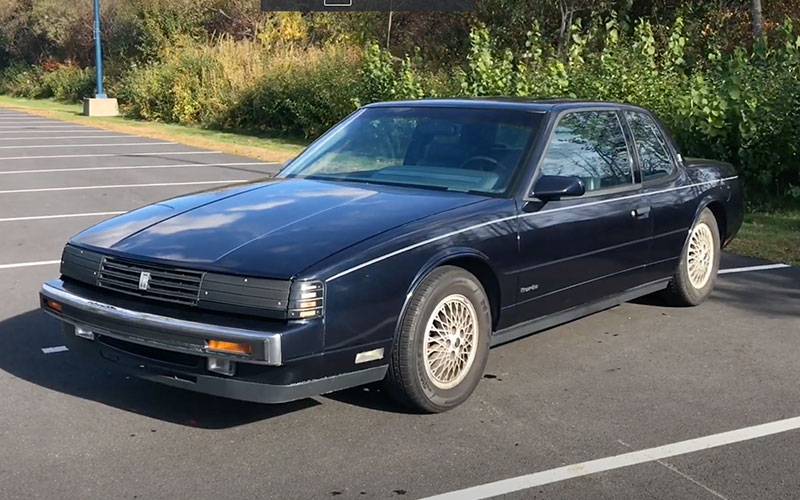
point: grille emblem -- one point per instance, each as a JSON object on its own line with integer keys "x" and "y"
{"x": 144, "y": 280}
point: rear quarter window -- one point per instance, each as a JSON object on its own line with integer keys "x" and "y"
{"x": 654, "y": 158}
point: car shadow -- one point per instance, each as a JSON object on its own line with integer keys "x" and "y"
{"x": 25, "y": 335}
{"x": 768, "y": 293}
{"x": 371, "y": 396}
{"x": 773, "y": 293}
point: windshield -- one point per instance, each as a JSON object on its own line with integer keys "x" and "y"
{"x": 455, "y": 149}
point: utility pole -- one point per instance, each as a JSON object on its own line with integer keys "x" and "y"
{"x": 100, "y": 105}
{"x": 98, "y": 52}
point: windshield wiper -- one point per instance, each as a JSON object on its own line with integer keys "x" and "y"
{"x": 363, "y": 180}
{"x": 317, "y": 177}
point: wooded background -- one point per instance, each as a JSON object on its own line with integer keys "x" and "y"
{"x": 723, "y": 74}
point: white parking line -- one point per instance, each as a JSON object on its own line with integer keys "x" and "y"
{"x": 55, "y": 349}
{"x": 102, "y": 155}
{"x": 60, "y": 216}
{"x": 133, "y": 167}
{"x": 94, "y": 145}
{"x": 116, "y": 186}
{"x": 37, "y": 126}
{"x": 75, "y": 128}
{"x": 93, "y": 135}
{"x": 26, "y": 121}
{"x": 30, "y": 264}
{"x": 765, "y": 267}
{"x": 619, "y": 461}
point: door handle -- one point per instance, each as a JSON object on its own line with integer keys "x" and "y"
{"x": 641, "y": 212}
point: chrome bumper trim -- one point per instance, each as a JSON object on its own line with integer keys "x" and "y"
{"x": 272, "y": 341}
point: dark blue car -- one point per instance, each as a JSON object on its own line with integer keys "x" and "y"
{"x": 399, "y": 247}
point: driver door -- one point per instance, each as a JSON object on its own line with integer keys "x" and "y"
{"x": 577, "y": 250}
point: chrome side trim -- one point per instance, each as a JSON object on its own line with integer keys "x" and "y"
{"x": 514, "y": 217}
{"x": 272, "y": 341}
{"x": 417, "y": 245}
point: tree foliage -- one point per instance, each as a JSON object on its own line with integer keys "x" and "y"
{"x": 724, "y": 92}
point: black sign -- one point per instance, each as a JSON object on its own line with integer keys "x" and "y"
{"x": 366, "y": 5}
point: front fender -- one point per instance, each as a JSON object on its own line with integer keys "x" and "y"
{"x": 367, "y": 289}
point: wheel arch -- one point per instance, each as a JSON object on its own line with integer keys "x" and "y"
{"x": 472, "y": 261}
{"x": 717, "y": 208}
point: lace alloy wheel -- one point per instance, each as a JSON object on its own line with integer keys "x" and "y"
{"x": 700, "y": 257}
{"x": 450, "y": 341}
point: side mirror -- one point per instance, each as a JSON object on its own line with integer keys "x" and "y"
{"x": 554, "y": 187}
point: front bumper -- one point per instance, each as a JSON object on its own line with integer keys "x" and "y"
{"x": 173, "y": 351}
{"x": 159, "y": 331}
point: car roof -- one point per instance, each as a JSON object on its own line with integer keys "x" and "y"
{"x": 543, "y": 105}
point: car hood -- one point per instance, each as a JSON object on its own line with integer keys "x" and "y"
{"x": 273, "y": 228}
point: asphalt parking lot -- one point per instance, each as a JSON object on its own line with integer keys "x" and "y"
{"x": 640, "y": 376}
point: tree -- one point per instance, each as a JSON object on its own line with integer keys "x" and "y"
{"x": 568, "y": 10}
{"x": 758, "y": 18}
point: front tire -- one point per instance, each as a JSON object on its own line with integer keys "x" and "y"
{"x": 696, "y": 274}
{"x": 441, "y": 350}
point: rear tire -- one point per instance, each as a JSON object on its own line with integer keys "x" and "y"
{"x": 441, "y": 350}
{"x": 696, "y": 275}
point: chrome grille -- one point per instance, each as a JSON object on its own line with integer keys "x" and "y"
{"x": 166, "y": 284}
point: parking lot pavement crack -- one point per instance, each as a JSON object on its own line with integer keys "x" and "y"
{"x": 683, "y": 475}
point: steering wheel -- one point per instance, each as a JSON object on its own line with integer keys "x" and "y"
{"x": 485, "y": 159}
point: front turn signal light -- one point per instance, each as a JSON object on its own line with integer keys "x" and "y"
{"x": 52, "y": 304}
{"x": 230, "y": 347}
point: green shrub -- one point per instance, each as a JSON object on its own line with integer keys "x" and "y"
{"x": 193, "y": 83}
{"x": 23, "y": 81}
{"x": 65, "y": 83}
{"x": 385, "y": 78}
{"x": 740, "y": 107}
{"x": 378, "y": 75}
{"x": 157, "y": 25}
{"x": 244, "y": 85}
{"x": 303, "y": 92}
{"x": 146, "y": 92}
{"x": 491, "y": 70}
{"x": 743, "y": 109}
{"x": 724, "y": 95}
{"x": 69, "y": 83}
{"x": 169, "y": 91}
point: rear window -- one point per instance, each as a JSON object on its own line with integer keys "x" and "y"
{"x": 654, "y": 158}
